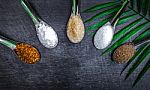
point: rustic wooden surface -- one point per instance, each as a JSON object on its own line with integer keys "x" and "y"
{"x": 66, "y": 67}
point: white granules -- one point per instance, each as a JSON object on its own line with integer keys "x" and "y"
{"x": 103, "y": 36}
{"x": 75, "y": 28}
{"x": 46, "y": 35}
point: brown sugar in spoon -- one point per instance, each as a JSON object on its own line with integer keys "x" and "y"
{"x": 126, "y": 51}
{"x": 75, "y": 26}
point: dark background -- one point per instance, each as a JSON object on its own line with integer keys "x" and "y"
{"x": 66, "y": 67}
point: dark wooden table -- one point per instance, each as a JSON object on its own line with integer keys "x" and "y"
{"x": 66, "y": 67}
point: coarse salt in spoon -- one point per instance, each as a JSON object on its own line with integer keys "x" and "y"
{"x": 45, "y": 32}
{"x": 104, "y": 35}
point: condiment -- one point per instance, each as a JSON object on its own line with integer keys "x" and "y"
{"x": 45, "y": 32}
{"x": 124, "y": 53}
{"x": 75, "y": 29}
{"x": 104, "y": 35}
{"x": 46, "y": 35}
{"x": 75, "y": 26}
{"x": 27, "y": 53}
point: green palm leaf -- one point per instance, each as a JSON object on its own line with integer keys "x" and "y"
{"x": 126, "y": 19}
{"x": 144, "y": 35}
{"x": 98, "y": 25}
{"x": 141, "y": 58}
{"x": 102, "y": 14}
{"x": 142, "y": 6}
{"x": 127, "y": 12}
{"x": 138, "y": 53}
{"x": 139, "y": 5}
{"x": 127, "y": 28}
{"x": 133, "y": 3}
{"x": 126, "y": 37}
{"x": 137, "y": 9}
{"x": 145, "y": 69}
{"x": 121, "y": 21}
{"x": 101, "y": 6}
{"x": 146, "y": 6}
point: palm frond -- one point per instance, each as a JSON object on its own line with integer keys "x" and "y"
{"x": 145, "y": 69}
{"x": 127, "y": 28}
{"x": 126, "y": 19}
{"x": 121, "y": 21}
{"x": 101, "y": 6}
{"x": 145, "y": 34}
{"x": 137, "y": 12}
{"x": 138, "y": 53}
{"x": 99, "y": 24}
{"x": 126, "y": 37}
{"x": 102, "y": 14}
{"x": 139, "y": 60}
{"x": 132, "y": 2}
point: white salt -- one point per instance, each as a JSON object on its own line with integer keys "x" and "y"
{"x": 104, "y": 36}
{"x": 46, "y": 35}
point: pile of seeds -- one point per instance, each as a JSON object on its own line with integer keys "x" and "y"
{"x": 27, "y": 53}
{"x": 124, "y": 53}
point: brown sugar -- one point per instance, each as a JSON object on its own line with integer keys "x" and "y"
{"x": 27, "y": 53}
{"x": 75, "y": 29}
{"x": 124, "y": 53}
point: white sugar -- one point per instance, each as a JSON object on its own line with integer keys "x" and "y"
{"x": 104, "y": 36}
{"x": 46, "y": 35}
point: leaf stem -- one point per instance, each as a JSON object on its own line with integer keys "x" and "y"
{"x": 139, "y": 14}
{"x": 142, "y": 42}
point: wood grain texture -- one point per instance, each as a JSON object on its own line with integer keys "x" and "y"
{"x": 66, "y": 67}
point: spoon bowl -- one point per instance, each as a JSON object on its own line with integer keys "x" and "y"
{"x": 104, "y": 36}
{"x": 26, "y": 52}
{"x": 46, "y": 34}
{"x": 75, "y": 29}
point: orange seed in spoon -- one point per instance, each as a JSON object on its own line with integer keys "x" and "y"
{"x": 27, "y": 53}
